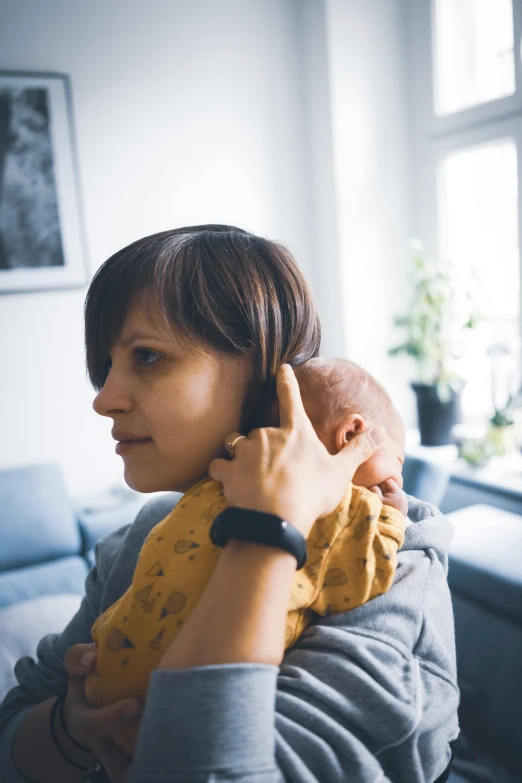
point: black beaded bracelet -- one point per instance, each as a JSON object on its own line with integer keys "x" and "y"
{"x": 55, "y": 738}
{"x": 61, "y": 699}
{"x": 95, "y": 766}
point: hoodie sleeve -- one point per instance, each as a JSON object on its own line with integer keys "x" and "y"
{"x": 366, "y": 696}
{"x": 339, "y": 701}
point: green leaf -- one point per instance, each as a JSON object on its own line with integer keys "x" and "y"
{"x": 404, "y": 348}
{"x": 436, "y": 312}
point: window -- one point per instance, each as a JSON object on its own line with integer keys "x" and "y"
{"x": 467, "y": 123}
{"x": 474, "y": 52}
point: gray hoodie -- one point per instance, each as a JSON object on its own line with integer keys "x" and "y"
{"x": 365, "y": 696}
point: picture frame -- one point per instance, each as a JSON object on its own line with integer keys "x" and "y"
{"x": 42, "y": 245}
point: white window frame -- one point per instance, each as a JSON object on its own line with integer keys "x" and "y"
{"x": 434, "y": 136}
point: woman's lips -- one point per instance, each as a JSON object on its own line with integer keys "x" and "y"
{"x": 126, "y": 445}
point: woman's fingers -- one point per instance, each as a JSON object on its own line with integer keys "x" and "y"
{"x": 359, "y": 449}
{"x": 291, "y": 408}
{"x": 95, "y": 726}
{"x": 287, "y": 470}
{"x": 99, "y": 723}
{"x": 80, "y": 659}
{"x": 218, "y": 469}
{"x": 239, "y": 443}
{"x": 102, "y": 723}
{"x": 88, "y": 723}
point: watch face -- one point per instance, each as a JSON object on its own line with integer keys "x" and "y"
{"x": 216, "y": 532}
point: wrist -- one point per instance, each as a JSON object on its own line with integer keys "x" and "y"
{"x": 237, "y": 546}
{"x": 61, "y": 740}
{"x": 73, "y": 745}
{"x": 259, "y": 527}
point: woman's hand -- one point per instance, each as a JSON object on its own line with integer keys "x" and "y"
{"x": 95, "y": 726}
{"x": 287, "y": 470}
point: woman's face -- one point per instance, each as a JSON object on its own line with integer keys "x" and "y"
{"x": 184, "y": 401}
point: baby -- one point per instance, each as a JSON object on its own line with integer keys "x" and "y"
{"x": 341, "y": 400}
{"x": 351, "y": 553}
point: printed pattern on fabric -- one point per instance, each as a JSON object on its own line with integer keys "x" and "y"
{"x": 351, "y": 558}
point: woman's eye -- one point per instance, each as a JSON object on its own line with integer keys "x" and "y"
{"x": 144, "y": 356}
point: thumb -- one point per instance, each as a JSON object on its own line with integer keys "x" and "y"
{"x": 361, "y": 447}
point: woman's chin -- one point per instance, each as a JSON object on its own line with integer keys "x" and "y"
{"x": 140, "y": 481}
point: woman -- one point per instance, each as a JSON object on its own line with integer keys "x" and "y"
{"x": 185, "y": 333}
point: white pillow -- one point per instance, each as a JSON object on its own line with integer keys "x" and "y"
{"x": 23, "y": 624}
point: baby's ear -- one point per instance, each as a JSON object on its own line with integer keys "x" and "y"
{"x": 352, "y": 425}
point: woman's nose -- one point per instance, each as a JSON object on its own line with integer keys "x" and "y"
{"x": 112, "y": 398}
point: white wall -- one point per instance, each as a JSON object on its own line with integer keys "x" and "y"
{"x": 367, "y": 49}
{"x": 318, "y": 106}
{"x": 185, "y": 112}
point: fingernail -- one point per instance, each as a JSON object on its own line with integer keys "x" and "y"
{"x": 378, "y": 435}
{"x": 87, "y": 658}
{"x": 131, "y": 710}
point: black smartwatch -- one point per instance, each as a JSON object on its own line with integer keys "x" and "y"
{"x": 261, "y": 528}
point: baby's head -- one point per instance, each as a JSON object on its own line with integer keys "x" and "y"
{"x": 341, "y": 400}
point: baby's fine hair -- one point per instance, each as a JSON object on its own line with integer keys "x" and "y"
{"x": 334, "y": 388}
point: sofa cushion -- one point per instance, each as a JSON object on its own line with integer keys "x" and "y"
{"x": 37, "y": 522}
{"x": 96, "y": 523}
{"x": 489, "y": 652}
{"x": 424, "y": 480}
{"x": 485, "y": 562}
{"x": 66, "y": 575}
{"x": 485, "y": 578}
{"x": 23, "y": 625}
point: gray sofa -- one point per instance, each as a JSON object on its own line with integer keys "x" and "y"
{"x": 485, "y": 578}
{"x": 47, "y": 549}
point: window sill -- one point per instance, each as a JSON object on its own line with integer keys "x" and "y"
{"x": 502, "y": 475}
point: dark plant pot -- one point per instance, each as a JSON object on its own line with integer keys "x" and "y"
{"x": 436, "y": 418}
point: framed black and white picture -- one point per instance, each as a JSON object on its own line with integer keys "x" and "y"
{"x": 41, "y": 237}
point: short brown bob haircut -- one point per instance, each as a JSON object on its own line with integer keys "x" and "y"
{"x": 218, "y": 286}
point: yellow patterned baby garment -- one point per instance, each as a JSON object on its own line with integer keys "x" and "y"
{"x": 352, "y": 557}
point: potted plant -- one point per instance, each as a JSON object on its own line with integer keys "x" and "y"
{"x": 439, "y": 316}
{"x": 501, "y": 430}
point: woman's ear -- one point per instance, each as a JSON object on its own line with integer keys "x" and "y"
{"x": 351, "y": 425}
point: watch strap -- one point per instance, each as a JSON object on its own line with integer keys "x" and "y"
{"x": 259, "y": 527}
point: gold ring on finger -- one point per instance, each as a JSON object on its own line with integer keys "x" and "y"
{"x": 230, "y": 446}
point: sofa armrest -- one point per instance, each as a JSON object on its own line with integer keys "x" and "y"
{"x": 24, "y": 624}
{"x": 96, "y": 522}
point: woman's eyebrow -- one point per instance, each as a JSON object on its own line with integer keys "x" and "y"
{"x": 137, "y": 337}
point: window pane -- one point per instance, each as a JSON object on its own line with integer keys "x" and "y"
{"x": 474, "y": 52}
{"x": 479, "y": 233}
